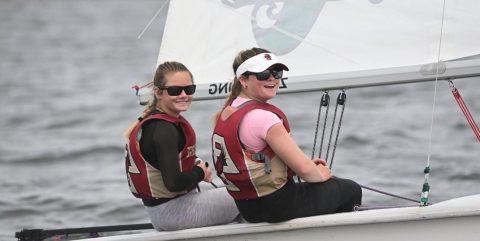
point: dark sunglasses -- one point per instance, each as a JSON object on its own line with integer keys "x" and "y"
{"x": 264, "y": 75}
{"x": 177, "y": 90}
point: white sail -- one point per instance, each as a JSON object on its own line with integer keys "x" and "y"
{"x": 315, "y": 38}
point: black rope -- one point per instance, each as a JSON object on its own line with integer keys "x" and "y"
{"x": 325, "y": 102}
{"x": 316, "y": 128}
{"x": 331, "y": 131}
{"x": 390, "y": 194}
{"x": 341, "y": 100}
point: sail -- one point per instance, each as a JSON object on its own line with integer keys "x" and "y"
{"x": 325, "y": 41}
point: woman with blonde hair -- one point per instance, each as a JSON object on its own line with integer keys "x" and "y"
{"x": 256, "y": 157}
{"x": 162, "y": 167}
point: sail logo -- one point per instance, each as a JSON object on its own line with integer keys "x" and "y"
{"x": 226, "y": 87}
{"x": 281, "y": 26}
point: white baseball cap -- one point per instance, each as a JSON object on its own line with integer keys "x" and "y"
{"x": 259, "y": 63}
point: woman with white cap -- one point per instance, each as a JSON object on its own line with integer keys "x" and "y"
{"x": 256, "y": 157}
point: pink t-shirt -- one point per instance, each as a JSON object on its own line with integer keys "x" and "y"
{"x": 254, "y": 126}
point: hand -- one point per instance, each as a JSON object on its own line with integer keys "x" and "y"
{"x": 206, "y": 170}
{"x": 319, "y": 161}
{"x": 325, "y": 172}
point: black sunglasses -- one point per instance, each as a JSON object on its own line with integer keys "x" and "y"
{"x": 177, "y": 90}
{"x": 264, "y": 75}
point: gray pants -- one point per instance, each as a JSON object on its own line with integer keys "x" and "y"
{"x": 193, "y": 210}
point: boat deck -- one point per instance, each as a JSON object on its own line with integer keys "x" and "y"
{"x": 450, "y": 220}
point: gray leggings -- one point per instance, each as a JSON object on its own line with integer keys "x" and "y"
{"x": 193, "y": 210}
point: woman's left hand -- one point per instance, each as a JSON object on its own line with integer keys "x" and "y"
{"x": 206, "y": 170}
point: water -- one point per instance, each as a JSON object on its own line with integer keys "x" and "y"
{"x": 66, "y": 72}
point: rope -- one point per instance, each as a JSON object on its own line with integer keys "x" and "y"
{"x": 341, "y": 100}
{"x": 137, "y": 88}
{"x": 331, "y": 130}
{"x": 466, "y": 112}
{"x": 316, "y": 132}
{"x": 426, "y": 171}
{"x": 390, "y": 194}
{"x": 316, "y": 129}
{"x": 325, "y": 102}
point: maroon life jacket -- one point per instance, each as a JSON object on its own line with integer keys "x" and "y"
{"x": 137, "y": 168}
{"x": 230, "y": 156}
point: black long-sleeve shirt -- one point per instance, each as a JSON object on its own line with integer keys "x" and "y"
{"x": 160, "y": 145}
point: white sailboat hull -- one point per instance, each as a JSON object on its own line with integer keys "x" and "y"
{"x": 457, "y": 219}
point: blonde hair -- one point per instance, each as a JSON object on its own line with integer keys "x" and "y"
{"x": 159, "y": 81}
{"x": 236, "y": 85}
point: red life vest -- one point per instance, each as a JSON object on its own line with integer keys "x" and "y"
{"x": 144, "y": 180}
{"x": 244, "y": 175}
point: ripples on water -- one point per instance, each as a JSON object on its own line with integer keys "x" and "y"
{"x": 67, "y": 68}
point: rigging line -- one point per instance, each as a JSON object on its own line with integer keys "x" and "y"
{"x": 290, "y": 34}
{"x": 325, "y": 102}
{"x": 389, "y": 194}
{"x": 342, "y": 98}
{"x": 425, "y": 189}
{"x": 465, "y": 110}
{"x": 331, "y": 129}
{"x": 153, "y": 18}
{"x": 316, "y": 128}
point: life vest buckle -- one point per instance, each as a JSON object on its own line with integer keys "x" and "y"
{"x": 260, "y": 156}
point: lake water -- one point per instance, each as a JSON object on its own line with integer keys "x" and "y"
{"x": 66, "y": 71}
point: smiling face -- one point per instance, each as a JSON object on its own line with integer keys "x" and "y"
{"x": 259, "y": 90}
{"x": 173, "y": 105}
